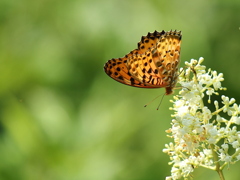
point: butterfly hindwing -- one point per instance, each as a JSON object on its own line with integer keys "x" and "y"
{"x": 119, "y": 71}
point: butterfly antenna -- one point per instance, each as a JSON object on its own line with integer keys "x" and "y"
{"x": 154, "y": 100}
{"x": 151, "y": 101}
{"x": 161, "y": 101}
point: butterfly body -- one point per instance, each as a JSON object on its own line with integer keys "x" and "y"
{"x": 154, "y": 64}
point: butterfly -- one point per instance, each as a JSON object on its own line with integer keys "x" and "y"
{"x": 154, "y": 64}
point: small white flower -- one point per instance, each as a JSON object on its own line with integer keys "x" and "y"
{"x": 213, "y": 132}
{"x": 225, "y": 147}
{"x": 183, "y": 110}
{"x": 178, "y": 103}
{"x": 236, "y": 120}
{"x": 210, "y": 91}
{"x": 176, "y": 173}
{"x": 206, "y": 113}
{"x": 238, "y": 157}
{"x": 207, "y": 152}
{"x": 211, "y": 140}
{"x": 168, "y": 178}
{"x": 227, "y": 159}
{"x": 235, "y": 144}
{"x": 217, "y": 80}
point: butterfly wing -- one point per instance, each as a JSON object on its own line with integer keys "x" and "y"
{"x": 142, "y": 68}
{"x": 153, "y": 65}
{"x": 119, "y": 71}
{"x": 167, "y": 52}
{"x": 158, "y": 66}
{"x": 149, "y": 41}
{"x": 167, "y": 58}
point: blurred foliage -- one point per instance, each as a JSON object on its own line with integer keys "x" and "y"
{"x": 62, "y": 118}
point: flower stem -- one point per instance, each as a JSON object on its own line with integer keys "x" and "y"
{"x": 218, "y": 168}
{"x": 220, "y": 173}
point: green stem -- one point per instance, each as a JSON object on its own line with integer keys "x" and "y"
{"x": 220, "y": 173}
{"x": 218, "y": 167}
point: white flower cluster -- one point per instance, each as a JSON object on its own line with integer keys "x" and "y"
{"x": 202, "y": 137}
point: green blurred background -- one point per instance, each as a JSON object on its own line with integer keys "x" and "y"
{"x": 63, "y": 118}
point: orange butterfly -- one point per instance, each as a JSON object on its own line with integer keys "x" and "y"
{"x": 154, "y": 64}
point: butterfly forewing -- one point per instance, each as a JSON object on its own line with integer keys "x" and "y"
{"x": 153, "y": 65}
{"x": 167, "y": 57}
{"x": 149, "y": 41}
